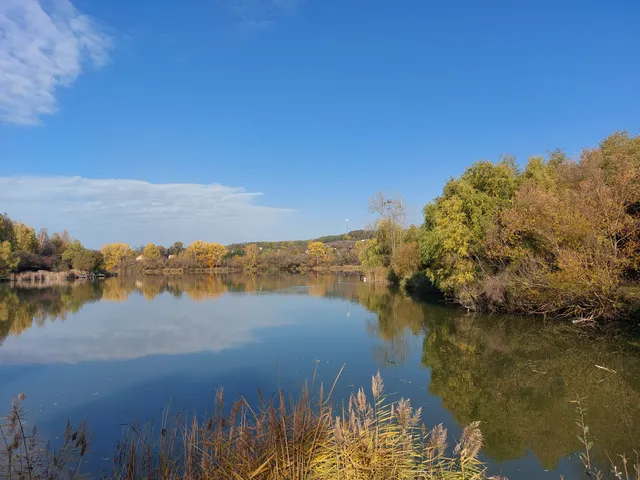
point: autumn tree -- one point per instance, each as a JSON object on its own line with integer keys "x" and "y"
{"x": 8, "y": 261}
{"x": 571, "y": 237}
{"x": 114, "y": 254}
{"x": 251, "y": 253}
{"x": 206, "y": 253}
{"x": 59, "y": 242}
{"x": 392, "y": 217}
{"x": 457, "y": 222}
{"x": 561, "y": 237}
{"x": 216, "y": 253}
{"x": 369, "y": 253}
{"x": 42, "y": 238}
{"x": 151, "y": 252}
{"x": 317, "y": 252}
{"x": 406, "y": 260}
{"x": 25, "y": 237}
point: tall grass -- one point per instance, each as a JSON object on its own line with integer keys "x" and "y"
{"x": 621, "y": 468}
{"x": 303, "y": 438}
{"x": 280, "y": 438}
{"x": 297, "y": 439}
{"x": 23, "y": 454}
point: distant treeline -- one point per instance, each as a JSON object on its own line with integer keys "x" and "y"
{"x": 24, "y": 250}
{"x": 558, "y": 237}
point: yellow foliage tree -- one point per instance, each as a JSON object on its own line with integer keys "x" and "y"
{"x": 114, "y": 253}
{"x": 251, "y": 252}
{"x": 317, "y": 251}
{"x": 150, "y": 252}
{"x": 198, "y": 250}
{"x": 25, "y": 237}
{"x": 207, "y": 253}
{"x": 216, "y": 253}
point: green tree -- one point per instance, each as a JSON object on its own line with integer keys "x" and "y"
{"x": 75, "y": 248}
{"x": 370, "y": 254}
{"x": 6, "y": 229}
{"x": 8, "y": 261}
{"x": 88, "y": 261}
{"x": 456, "y": 224}
{"x": 25, "y": 237}
{"x": 176, "y": 249}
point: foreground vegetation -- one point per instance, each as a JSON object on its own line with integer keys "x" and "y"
{"x": 372, "y": 438}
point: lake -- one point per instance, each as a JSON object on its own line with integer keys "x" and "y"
{"x": 123, "y": 349}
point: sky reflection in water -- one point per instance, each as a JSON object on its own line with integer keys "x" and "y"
{"x": 125, "y": 348}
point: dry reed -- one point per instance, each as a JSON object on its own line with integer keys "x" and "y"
{"x": 371, "y": 438}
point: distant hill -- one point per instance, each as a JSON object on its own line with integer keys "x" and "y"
{"x": 352, "y": 236}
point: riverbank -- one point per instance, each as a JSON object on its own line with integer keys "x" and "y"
{"x": 47, "y": 277}
{"x": 348, "y": 269}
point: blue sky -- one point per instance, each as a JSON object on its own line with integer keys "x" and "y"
{"x": 315, "y": 104}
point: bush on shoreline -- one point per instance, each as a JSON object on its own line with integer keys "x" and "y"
{"x": 560, "y": 237}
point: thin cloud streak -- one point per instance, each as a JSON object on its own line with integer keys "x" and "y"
{"x": 98, "y": 211}
{"x": 42, "y": 49}
{"x": 260, "y": 14}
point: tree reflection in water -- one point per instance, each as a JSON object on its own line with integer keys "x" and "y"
{"x": 517, "y": 376}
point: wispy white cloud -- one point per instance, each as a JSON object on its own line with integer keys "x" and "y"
{"x": 43, "y": 46}
{"x": 105, "y": 210}
{"x": 261, "y": 14}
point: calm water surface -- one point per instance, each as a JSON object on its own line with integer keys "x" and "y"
{"x": 122, "y": 349}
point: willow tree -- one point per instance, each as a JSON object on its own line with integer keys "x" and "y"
{"x": 456, "y": 224}
{"x": 571, "y": 239}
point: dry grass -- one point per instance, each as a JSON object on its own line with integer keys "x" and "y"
{"x": 42, "y": 276}
{"x": 370, "y": 438}
{"x": 23, "y": 455}
{"x": 620, "y": 468}
{"x": 303, "y": 438}
{"x": 300, "y": 439}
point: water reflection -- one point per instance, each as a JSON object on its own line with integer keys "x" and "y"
{"x": 517, "y": 376}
